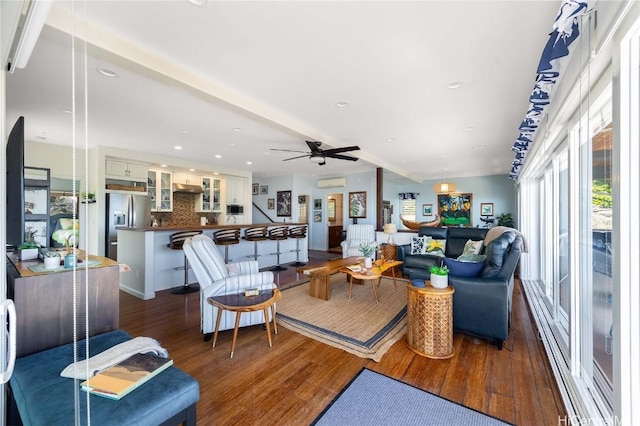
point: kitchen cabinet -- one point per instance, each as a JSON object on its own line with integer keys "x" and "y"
{"x": 209, "y": 200}
{"x": 127, "y": 171}
{"x": 186, "y": 179}
{"x": 234, "y": 191}
{"x": 160, "y": 190}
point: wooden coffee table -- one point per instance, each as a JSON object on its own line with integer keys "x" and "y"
{"x": 320, "y": 275}
{"x": 379, "y": 267}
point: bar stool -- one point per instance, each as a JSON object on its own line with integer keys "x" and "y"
{"x": 226, "y": 238}
{"x": 256, "y": 234}
{"x": 176, "y": 241}
{"x": 278, "y": 234}
{"x": 298, "y": 232}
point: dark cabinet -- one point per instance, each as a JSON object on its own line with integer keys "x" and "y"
{"x": 335, "y": 236}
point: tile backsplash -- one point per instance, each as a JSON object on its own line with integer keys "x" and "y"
{"x": 184, "y": 212}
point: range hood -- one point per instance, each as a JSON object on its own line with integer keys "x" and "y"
{"x": 187, "y": 189}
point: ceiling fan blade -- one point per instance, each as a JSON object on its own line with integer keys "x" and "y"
{"x": 287, "y": 150}
{"x": 314, "y": 146}
{"x": 294, "y": 158}
{"x": 340, "y": 157}
{"x": 339, "y": 150}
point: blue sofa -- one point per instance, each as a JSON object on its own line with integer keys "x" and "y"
{"x": 481, "y": 304}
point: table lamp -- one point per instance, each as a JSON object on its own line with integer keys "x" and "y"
{"x": 390, "y": 228}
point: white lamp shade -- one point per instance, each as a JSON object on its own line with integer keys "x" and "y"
{"x": 390, "y": 228}
{"x": 444, "y": 187}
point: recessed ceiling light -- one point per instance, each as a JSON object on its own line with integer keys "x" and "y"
{"x": 67, "y": 110}
{"x": 163, "y": 165}
{"x": 454, "y": 85}
{"x": 249, "y": 163}
{"x": 479, "y": 147}
{"x": 216, "y": 173}
{"x": 218, "y": 156}
{"x": 192, "y": 170}
{"x": 468, "y": 129}
{"x": 177, "y": 147}
{"x": 107, "y": 72}
{"x": 42, "y": 138}
{"x": 198, "y": 3}
{"x": 342, "y": 104}
{"x": 390, "y": 139}
{"x": 237, "y": 129}
{"x": 184, "y": 131}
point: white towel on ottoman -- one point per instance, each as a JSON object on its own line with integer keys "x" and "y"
{"x": 112, "y": 356}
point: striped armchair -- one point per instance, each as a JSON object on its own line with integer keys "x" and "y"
{"x": 217, "y": 278}
{"x": 356, "y": 235}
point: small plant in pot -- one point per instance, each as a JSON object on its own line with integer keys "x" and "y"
{"x": 368, "y": 251}
{"x": 28, "y": 250}
{"x": 439, "y": 276}
{"x": 51, "y": 259}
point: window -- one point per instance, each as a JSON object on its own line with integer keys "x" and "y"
{"x": 408, "y": 209}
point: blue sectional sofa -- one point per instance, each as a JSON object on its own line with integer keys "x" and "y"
{"x": 481, "y": 303}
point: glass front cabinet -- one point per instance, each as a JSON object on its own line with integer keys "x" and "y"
{"x": 159, "y": 187}
{"x": 209, "y": 200}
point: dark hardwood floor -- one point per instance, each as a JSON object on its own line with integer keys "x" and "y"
{"x": 292, "y": 382}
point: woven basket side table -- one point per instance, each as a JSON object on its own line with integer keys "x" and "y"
{"x": 430, "y": 321}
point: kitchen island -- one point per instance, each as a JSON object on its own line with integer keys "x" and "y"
{"x": 156, "y": 267}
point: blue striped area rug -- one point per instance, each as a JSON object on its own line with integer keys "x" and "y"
{"x": 374, "y": 399}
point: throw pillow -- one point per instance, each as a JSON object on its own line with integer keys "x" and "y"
{"x": 417, "y": 245}
{"x": 459, "y": 268}
{"x": 472, "y": 247}
{"x": 472, "y": 257}
{"x": 436, "y": 247}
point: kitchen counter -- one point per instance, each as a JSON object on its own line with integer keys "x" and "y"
{"x": 156, "y": 267}
{"x": 206, "y": 227}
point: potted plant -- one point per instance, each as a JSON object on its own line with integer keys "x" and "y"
{"x": 505, "y": 219}
{"x": 51, "y": 259}
{"x": 88, "y": 197}
{"x": 28, "y": 250}
{"x": 439, "y": 276}
{"x": 368, "y": 251}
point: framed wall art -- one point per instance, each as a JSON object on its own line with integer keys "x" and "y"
{"x": 357, "y": 205}
{"x": 317, "y": 216}
{"x": 271, "y": 203}
{"x": 454, "y": 209}
{"x": 427, "y": 210}
{"x": 255, "y": 188}
{"x": 283, "y": 200}
{"x": 264, "y": 190}
{"x": 486, "y": 209}
{"x": 317, "y": 204}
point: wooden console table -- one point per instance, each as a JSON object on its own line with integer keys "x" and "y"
{"x": 430, "y": 321}
{"x": 320, "y": 275}
{"x": 44, "y": 303}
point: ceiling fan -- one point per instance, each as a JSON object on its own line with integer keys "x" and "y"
{"x": 318, "y": 155}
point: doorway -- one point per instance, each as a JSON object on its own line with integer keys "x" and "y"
{"x": 334, "y": 222}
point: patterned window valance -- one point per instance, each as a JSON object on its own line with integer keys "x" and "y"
{"x": 565, "y": 31}
{"x": 408, "y": 195}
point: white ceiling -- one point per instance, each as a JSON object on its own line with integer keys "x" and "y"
{"x": 276, "y": 70}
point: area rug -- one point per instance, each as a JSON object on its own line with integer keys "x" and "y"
{"x": 359, "y": 326}
{"x": 374, "y": 399}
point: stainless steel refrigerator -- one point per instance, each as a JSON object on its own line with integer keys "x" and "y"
{"x": 132, "y": 210}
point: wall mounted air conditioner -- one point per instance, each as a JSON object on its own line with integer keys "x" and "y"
{"x": 332, "y": 183}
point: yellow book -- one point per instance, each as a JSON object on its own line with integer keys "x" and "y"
{"x": 117, "y": 381}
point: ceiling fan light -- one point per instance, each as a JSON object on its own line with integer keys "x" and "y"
{"x": 316, "y": 159}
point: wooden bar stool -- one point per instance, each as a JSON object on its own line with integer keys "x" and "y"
{"x": 298, "y": 232}
{"x": 176, "y": 241}
{"x": 226, "y": 238}
{"x": 256, "y": 235}
{"x": 278, "y": 234}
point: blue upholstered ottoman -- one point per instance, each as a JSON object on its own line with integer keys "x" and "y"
{"x": 44, "y": 398}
